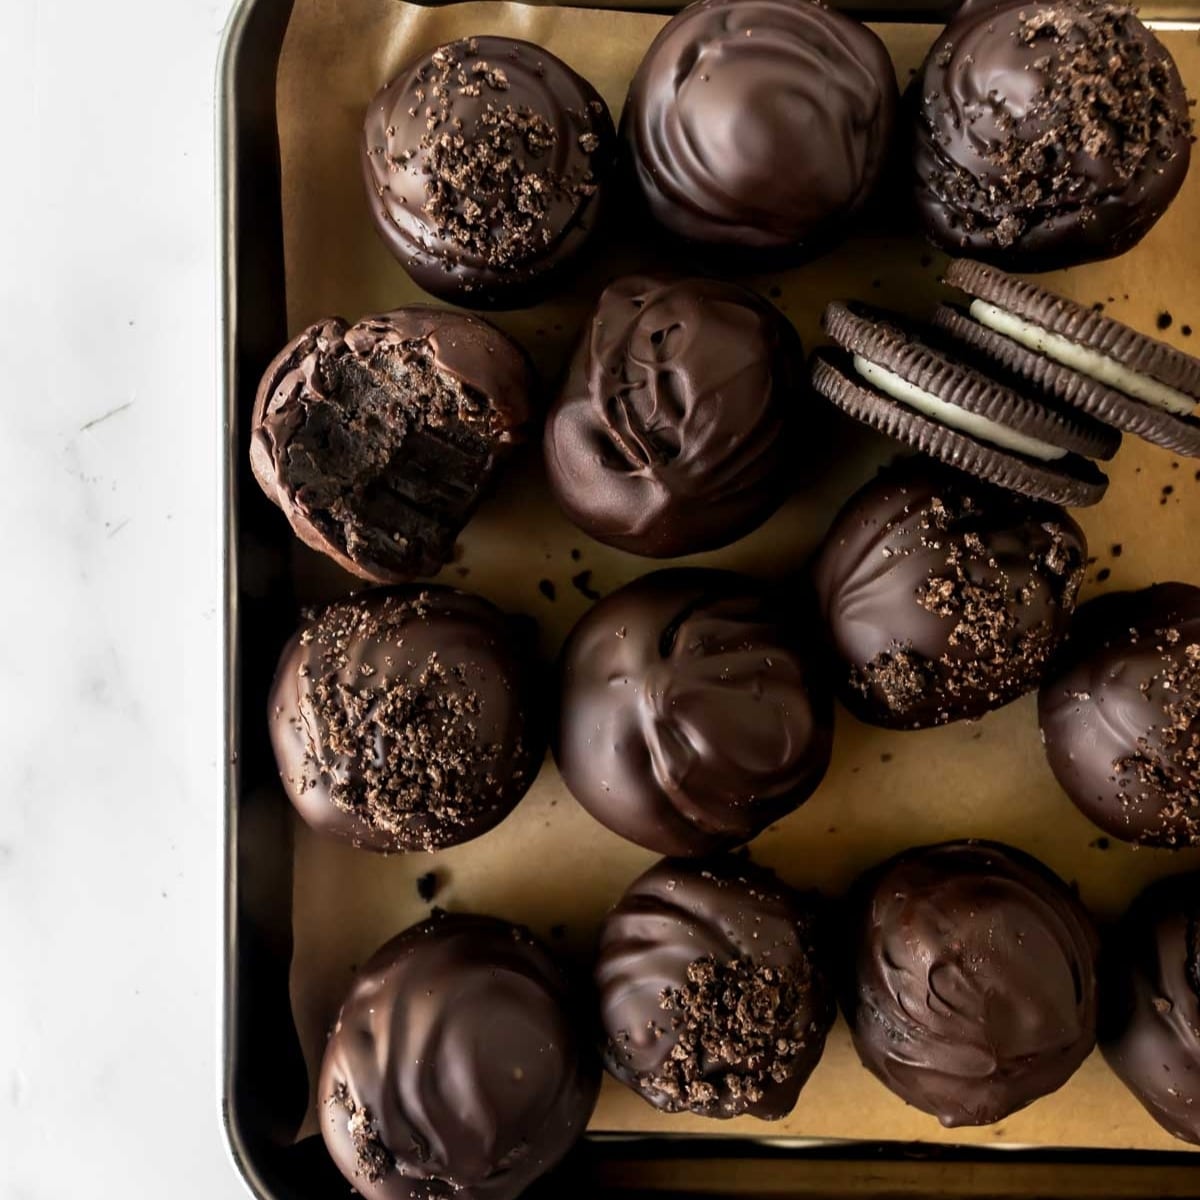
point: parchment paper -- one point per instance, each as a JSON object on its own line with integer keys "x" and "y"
{"x": 550, "y": 865}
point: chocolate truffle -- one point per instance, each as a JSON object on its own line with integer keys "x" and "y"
{"x": 457, "y": 1065}
{"x": 1048, "y": 133}
{"x": 973, "y": 990}
{"x": 1150, "y": 1033}
{"x": 944, "y": 598}
{"x": 693, "y": 713}
{"x": 760, "y": 124}
{"x": 713, "y": 989}
{"x": 1120, "y": 714}
{"x": 378, "y": 440}
{"x": 406, "y": 719}
{"x": 673, "y": 431}
{"x": 485, "y": 162}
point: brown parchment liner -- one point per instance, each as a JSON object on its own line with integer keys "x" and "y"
{"x": 550, "y": 865}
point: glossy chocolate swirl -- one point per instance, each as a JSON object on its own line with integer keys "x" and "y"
{"x": 485, "y": 163}
{"x": 1120, "y": 714}
{"x": 673, "y": 431}
{"x": 713, "y": 989}
{"x": 693, "y": 713}
{"x": 760, "y": 123}
{"x": 1150, "y": 1033}
{"x": 1049, "y": 133}
{"x": 457, "y": 1066}
{"x": 944, "y": 597}
{"x": 973, "y": 989}
{"x": 406, "y": 719}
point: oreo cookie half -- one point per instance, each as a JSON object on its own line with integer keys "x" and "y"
{"x": 906, "y": 387}
{"x": 1130, "y": 381}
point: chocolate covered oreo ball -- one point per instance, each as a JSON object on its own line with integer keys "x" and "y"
{"x": 672, "y": 433}
{"x": 485, "y": 163}
{"x": 693, "y": 713}
{"x": 1120, "y": 714}
{"x": 713, "y": 989}
{"x": 458, "y": 1065}
{"x": 406, "y": 719}
{"x": 379, "y": 439}
{"x": 1150, "y": 1034}
{"x": 760, "y": 124}
{"x": 973, "y": 988}
{"x": 1048, "y": 133}
{"x": 944, "y": 598}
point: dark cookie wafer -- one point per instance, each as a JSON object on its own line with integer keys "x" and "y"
{"x": 1146, "y": 355}
{"x": 1114, "y": 408}
{"x": 885, "y": 341}
{"x": 1146, "y": 362}
{"x": 1071, "y": 481}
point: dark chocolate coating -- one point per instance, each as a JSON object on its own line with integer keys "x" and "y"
{"x": 760, "y": 124}
{"x": 693, "y": 713}
{"x": 1048, "y": 133}
{"x": 672, "y": 433}
{"x": 457, "y": 1065}
{"x": 1150, "y": 1033}
{"x": 944, "y": 598}
{"x": 1120, "y": 714}
{"x": 485, "y": 163}
{"x": 973, "y": 989}
{"x": 406, "y": 719}
{"x": 713, "y": 989}
{"x": 378, "y": 440}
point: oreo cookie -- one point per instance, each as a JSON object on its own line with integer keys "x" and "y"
{"x": 904, "y": 384}
{"x": 1103, "y": 368}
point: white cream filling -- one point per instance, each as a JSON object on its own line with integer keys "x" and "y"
{"x": 1091, "y": 363}
{"x": 951, "y": 415}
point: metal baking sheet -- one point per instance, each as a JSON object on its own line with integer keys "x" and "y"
{"x": 301, "y": 911}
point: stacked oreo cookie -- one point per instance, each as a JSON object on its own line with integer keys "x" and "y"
{"x": 1024, "y": 388}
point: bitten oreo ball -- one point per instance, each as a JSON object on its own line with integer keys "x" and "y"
{"x": 1150, "y": 1034}
{"x": 486, "y": 162}
{"x": 1120, "y": 714}
{"x": 944, "y": 598}
{"x": 713, "y": 989}
{"x": 760, "y": 124}
{"x": 1048, "y": 133}
{"x": 673, "y": 432}
{"x": 973, "y": 989}
{"x": 406, "y": 719}
{"x": 693, "y": 712}
{"x": 378, "y": 440}
{"x": 458, "y": 1065}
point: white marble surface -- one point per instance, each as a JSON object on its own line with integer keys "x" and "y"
{"x": 110, "y": 813}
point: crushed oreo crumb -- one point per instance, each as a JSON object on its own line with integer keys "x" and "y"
{"x": 736, "y": 1032}
{"x": 1105, "y": 95}
{"x": 371, "y": 1159}
{"x": 1167, "y": 763}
